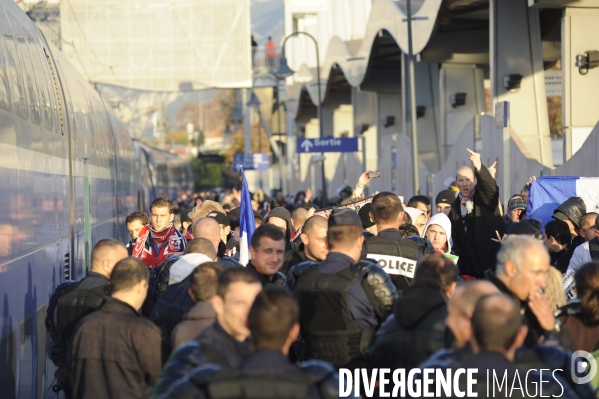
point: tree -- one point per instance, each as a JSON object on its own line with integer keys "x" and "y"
{"x": 208, "y": 175}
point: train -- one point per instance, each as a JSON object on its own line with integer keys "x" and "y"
{"x": 69, "y": 175}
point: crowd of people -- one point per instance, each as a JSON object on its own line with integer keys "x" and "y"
{"x": 462, "y": 282}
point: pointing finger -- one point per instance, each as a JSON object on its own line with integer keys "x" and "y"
{"x": 470, "y": 151}
{"x": 494, "y": 164}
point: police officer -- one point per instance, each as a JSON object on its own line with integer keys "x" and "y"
{"x": 267, "y": 372}
{"x": 397, "y": 255}
{"x": 342, "y": 300}
{"x": 73, "y": 300}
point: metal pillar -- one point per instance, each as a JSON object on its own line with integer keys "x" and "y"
{"x": 413, "y": 121}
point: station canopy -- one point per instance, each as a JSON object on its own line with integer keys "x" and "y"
{"x": 160, "y": 45}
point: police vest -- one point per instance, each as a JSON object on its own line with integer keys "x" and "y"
{"x": 398, "y": 259}
{"x": 75, "y": 305}
{"x": 250, "y": 384}
{"x": 326, "y": 322}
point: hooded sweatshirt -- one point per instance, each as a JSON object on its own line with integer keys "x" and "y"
{"x": 284, "y": 214}
{"x": 414, "y": 213}
{"x": 442, "y": 220}
{"x": 184, "y": 266}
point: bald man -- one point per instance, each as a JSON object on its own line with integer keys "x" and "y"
{"x": 459, "y": 313}
{"x": 73, "y": 300}
{"x": 475, "y": 219}
{"x": 313, "y": 245}
{"x": 207, "y": 228}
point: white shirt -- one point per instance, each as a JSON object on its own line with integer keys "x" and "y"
{"x": 581, "y": 255}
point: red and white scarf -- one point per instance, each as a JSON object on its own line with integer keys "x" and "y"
{"x": 162, "y": 245}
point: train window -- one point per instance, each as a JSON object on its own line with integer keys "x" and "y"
{"x": 14, "y": 72}
{"x": 25, "y": 59}
{"x": 56, "y": 88}
{"x": 4, "y": 95}
{"x": 34, "y": 77}
{"x": 41, "y": 79}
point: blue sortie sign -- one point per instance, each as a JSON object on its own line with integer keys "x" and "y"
{"x": 251, "y": 161}
{"x": 327, "y": 144}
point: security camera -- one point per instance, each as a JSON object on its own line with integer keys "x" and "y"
{"x": 512, "y": 82}
{"x": 457, "y": 99}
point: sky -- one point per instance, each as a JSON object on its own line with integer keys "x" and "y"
{"x": 267, "y": 20}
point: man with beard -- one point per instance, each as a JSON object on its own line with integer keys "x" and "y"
{"x": 160, "y": 239}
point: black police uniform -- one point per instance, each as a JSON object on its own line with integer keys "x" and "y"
{"x": 341, "y": 303}
{"x": 264, "y": 374}
{"x": 397, "y": 255}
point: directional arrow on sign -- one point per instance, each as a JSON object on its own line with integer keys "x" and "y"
{"x": 307, "y": 145}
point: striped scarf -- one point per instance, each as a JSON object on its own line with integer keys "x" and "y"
{"x": 154, "y": 247}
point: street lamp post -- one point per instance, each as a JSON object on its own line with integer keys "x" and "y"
{"x": 283, "y": 72}
{"x": 413, "y": 118}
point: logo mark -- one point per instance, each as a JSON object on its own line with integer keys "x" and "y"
{"x": 586, "y": 363}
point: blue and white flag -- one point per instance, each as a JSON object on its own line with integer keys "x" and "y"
{"x": 547, "y": 193}
{"x": 247, "y": 223}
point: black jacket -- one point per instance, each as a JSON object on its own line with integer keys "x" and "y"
{"x": 263, "y": 374}
{"x": 91, "y": 290}
{"x": 291, "y": 259}
{"x": 475, "y": 248}
{"x": 414, "y": 331}
{"x": 561, "y": 260}
{"x": 114, "y": 354}
{"x": 169, "y": 311}
{"x": 278, "y": 280}
{"x": 214, "y": 345}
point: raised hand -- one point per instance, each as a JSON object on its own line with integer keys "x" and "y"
{"x": 538, "y": 303}
{"x": 530, "y": 180}
{"x": 475, "y": 159}
{"x": 492, "y": 169}
{"x": 308, "y": 195}
{"x": 499, "y": 239}
{"x": 364, "y": 179}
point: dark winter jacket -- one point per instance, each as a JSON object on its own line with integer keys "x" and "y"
{"x": 414, "y": 331}
{"x": 214, "y": 345}
{"x": 475, "y": 248}
{"x": 560, "y": 260}
{"x": 91, "y": 290}
{"x": 114, "y": 354}
{"x": 263, "y": 374}
{"x": 169, "y": 311}
{"x": 199, "y": 317}
{"x": 291, "y": 259}
{"x": 278, "y": 280}
{"x": 162, "y": 275}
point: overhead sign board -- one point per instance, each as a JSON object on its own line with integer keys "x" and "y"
{"x": 328, "y": 144}
{"x": 257, "y": 162}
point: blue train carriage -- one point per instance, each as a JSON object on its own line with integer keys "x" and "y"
{"x": 170, "y": 175}
{"x": 68, "y": 177}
